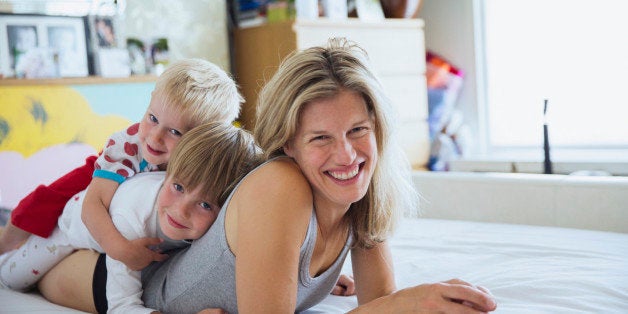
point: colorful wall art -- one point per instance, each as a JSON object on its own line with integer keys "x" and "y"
{"x": 47, "y": 130}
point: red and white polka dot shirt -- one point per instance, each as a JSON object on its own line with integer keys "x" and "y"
{"x": 122, "y": 156}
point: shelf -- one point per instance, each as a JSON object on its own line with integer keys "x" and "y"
{"x": 389, "y": 23}
{"x": 78, "y": 80}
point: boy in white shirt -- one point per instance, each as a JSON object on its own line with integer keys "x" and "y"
{"x": 189, "y": 93}
{"x": 203, "y": 169}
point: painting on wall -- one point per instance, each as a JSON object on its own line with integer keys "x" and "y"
{"x": 48, "y": 130}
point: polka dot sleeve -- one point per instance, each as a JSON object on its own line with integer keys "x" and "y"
{"x": 121, "y": 158}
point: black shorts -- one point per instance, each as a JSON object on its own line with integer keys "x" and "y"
{"x": 99, "y": 285}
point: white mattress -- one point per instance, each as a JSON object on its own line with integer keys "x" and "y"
{"x": 529, "y": 269}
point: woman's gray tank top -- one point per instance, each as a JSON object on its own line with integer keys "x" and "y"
{"x": 203, "y": 275}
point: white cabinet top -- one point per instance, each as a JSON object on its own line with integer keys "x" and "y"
{"x": 394, "y": 46}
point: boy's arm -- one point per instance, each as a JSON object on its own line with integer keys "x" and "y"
{"x": 124, "y": 289}
{"x": 95, "y": 216}
{"x": 124, "y": 286}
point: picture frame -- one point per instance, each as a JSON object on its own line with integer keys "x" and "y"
{"x": 34, "y": 46}
{"x": 104, "y": 31}
{"x": 110, "y": 58}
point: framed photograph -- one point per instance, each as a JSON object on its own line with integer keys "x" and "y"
{"x": 110, "y": 58}
{"x": 33, "y": 46}
{"x": 104, "y": 33}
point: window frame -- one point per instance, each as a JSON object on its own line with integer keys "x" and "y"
{"x": 489, "y": 157}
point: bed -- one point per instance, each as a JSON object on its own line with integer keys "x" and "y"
{"x": 529, "y": 269}
{"x": 541, "y": 244}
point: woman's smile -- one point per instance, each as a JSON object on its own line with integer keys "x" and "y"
{"x": 337, "y": 154}
{"x": 345, "y": 175}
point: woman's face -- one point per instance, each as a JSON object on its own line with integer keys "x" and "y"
{"x": 335, "y": 147}
{"x": 184, "y": 214}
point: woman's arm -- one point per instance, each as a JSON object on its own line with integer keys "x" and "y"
{"x": 266, "y": 225}
{"x": 373, "y": 272}
{"x": 375, "y": 286}
{"x": 453, "y": 296}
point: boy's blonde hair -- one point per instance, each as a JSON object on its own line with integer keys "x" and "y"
{"x": 213, "y": 156}
{"x": 322, "y": 72}
{"x": 200, "y": 90}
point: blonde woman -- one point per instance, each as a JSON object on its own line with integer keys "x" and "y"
{"x": 333, "y": 183}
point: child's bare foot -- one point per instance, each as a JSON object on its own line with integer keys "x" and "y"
{"x": 11, "y": 237}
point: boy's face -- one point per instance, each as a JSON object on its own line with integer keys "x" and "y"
{"x": 161, "y": 129}
{"x": 184, "y": 214}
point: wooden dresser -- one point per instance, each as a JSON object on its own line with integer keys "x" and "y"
{"x": 395, "y": 47}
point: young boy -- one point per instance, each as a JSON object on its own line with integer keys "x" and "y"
{"x": 187, "y": 94}
{"x": 204, "y": 168}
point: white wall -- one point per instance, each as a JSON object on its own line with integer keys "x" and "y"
{"x": 449, "y": 32}
{"x": 195, "y": 29}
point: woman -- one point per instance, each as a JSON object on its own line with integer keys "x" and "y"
{"x": 333, "y": 183}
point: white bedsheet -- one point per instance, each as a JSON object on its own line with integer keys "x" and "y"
{"x": 529, "y": 269}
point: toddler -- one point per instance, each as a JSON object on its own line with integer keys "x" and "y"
{"x": 190, "y": 92}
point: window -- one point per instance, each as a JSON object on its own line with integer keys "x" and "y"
{"x": 574, "y": 53}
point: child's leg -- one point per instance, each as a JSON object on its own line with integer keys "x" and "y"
{"x": 38, "y": 212}
{"x": 20, "y": 269}
{"x": 11, "y": 237}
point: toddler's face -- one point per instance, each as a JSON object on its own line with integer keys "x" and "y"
{"x": 160, "y": 131}
{"x": 184, "y": 214}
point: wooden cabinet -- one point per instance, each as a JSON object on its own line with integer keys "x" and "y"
{"x": 395, "y": 47}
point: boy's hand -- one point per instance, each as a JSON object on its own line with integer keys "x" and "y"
{"x": 136, "y": 254}
{"x": 345, "y": 286}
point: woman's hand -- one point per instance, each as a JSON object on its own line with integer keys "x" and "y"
{"x": 345, "y": 286}
{"x": 452, "y": 296}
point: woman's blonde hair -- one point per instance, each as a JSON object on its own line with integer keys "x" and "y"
{"x": 322, "y": 72}
{"x": 213, "y": 156}
{"x": 200, "y": 90}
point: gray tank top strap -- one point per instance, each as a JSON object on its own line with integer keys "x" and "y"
{"x": 307, "y": 249}
{"x": 312, "y": 290}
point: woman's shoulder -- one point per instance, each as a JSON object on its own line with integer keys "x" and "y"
{"x": 279, "y": 178}
{"x": 282, "y": 170}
